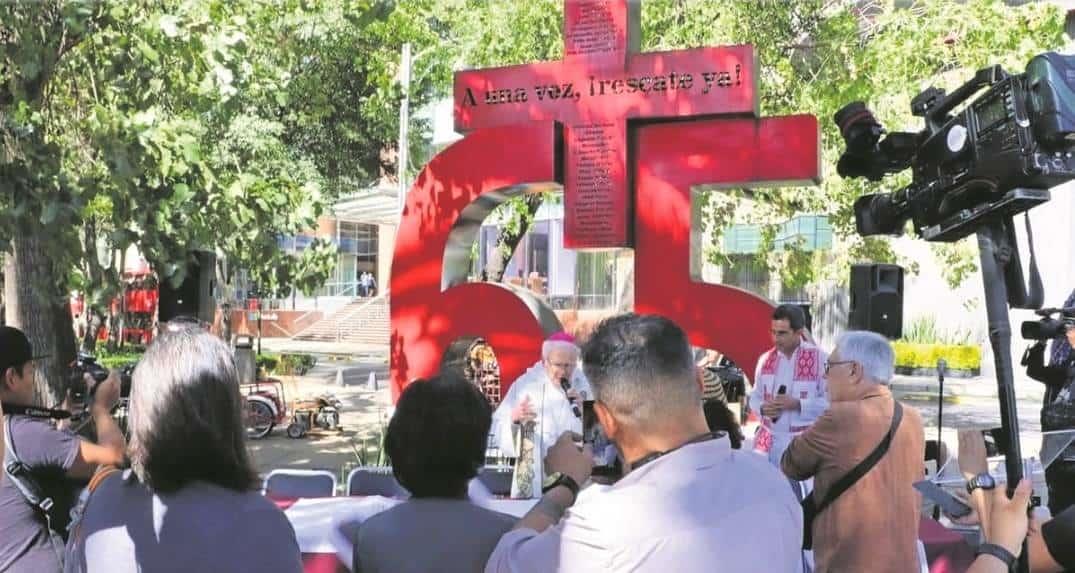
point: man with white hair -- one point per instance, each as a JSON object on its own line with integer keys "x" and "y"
{"x": 873, "y": 524}
{"x": 537, "y": 410}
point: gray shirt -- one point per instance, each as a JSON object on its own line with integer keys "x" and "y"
{"x": 25, "y": 544}
{"x": 429, "y": 534}
{"x": 202, "y": 527}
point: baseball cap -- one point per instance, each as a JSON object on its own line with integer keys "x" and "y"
{"x": 15, "y": 349}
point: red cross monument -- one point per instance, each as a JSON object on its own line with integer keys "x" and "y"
{"x": 629, "y": 136}
{"x": 602, "y": 83}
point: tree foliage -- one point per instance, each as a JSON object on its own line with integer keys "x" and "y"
{"x": 815, "y": 56}
{"x": 198, "y": 124}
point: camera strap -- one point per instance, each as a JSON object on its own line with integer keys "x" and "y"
{"x": 36, "y": 412}
{"x": 1036, "y": 296}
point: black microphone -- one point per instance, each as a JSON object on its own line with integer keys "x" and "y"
{"x": 574, "y": 406}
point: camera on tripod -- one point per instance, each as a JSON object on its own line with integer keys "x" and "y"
{"x": 996, "y": 157}
{"x": 1048, "y": 327}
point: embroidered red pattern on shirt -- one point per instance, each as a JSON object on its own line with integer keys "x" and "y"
{"x": 769, "y": 367}
{"x": 806, "y": 368}
{"x": 763, "y": 440}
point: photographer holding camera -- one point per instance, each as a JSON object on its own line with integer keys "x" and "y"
{"x": 44, "y": 463}
{"x": 1058, "y": 404}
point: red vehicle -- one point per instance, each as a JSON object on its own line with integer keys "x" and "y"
{"x": 265, "y": 406}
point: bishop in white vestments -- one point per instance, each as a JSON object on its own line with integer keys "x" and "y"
{"x": 536, "y": 410}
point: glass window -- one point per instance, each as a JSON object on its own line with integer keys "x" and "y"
{"x": 538, "y": 249}
{"x": 595, "y": 278}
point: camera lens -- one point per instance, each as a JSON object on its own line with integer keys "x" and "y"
{"x": 858, "y": 127}
{"x": 1043, "y": 329}
{"x": 878, "y": 214}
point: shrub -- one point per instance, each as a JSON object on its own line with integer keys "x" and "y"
{"x": 267, "y": 361}
{"x": 295, "y": 364}
{"x": 119, "y": 358}
{"x": 958, "y": 356}
{"x": 924, "y": 330}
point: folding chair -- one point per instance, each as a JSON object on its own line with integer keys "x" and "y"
{"x": 292, "y": 483}
{"x": 368, "y": 480}
{"x": 497, "y": 479}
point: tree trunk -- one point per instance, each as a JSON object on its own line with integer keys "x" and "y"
{"x": 117, "y": 322}
{"x": 507, "y": 242}
{"x": 95, "y": 319}
{"x": 226, "y": 296}
{"x": 38, "y": 306}
{"x": 92, "y": 314}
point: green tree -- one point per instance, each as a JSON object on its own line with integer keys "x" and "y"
{"x": 815, "y": 56}
{"x": 125, "y": 120}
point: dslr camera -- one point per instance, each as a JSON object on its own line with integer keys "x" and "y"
{"x": 85, "y": 364}
{"x": 1048, "y": 327}
{"x": 995, "y": 157}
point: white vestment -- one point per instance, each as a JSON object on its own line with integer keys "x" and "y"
{"x": 549, "y": 402}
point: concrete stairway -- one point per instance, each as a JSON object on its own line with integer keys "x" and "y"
{"x": 363, "y": 320}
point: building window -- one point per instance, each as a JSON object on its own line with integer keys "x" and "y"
{"x": 595, "y": 279}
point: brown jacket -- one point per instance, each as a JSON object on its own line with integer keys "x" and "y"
{"x": 873, "y": 526}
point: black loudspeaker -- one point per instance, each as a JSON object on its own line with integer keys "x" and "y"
{"x": 877, "y": 299}
{"x": 196, "y": 297}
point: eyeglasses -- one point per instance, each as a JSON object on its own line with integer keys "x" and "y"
{"x": 830, "y": 364}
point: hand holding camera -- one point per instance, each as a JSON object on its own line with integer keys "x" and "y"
{"x": 105, "y": 393}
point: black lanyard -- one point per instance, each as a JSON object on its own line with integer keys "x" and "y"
{"x": 36, "y": 412}
{"x": 695, "y": 440}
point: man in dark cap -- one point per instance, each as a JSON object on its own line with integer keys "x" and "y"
{"x": 49, "y": 463}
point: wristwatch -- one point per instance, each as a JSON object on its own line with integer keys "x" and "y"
{"x": 557, "y": 479}
{"x": 998, "y": 552}
{"x": 982, "y": 480}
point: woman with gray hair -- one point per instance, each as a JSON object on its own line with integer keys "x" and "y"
{"x": 190, "y": 500}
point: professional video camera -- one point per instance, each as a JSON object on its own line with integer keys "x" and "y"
{"x": 1048, "y": 327}
{"x": 997, "y": 157}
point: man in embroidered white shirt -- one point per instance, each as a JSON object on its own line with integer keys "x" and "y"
{"x": 789, "y": 384}
{"x": 689, "y": 502}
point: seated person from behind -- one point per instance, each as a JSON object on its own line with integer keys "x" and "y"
{"x": 191, "y": 500}
{"x": 436, "y": 441}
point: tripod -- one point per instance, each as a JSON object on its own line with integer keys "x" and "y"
{"x": 1000, "y": 269}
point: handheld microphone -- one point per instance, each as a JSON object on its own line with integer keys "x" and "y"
{"x": 783, "y": 390}
{"x": 574, "y": 405}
